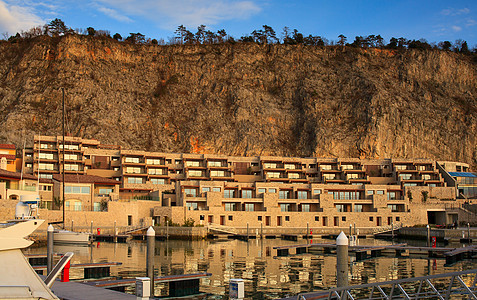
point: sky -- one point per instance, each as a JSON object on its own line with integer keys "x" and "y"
{"x": 433, "y": 20}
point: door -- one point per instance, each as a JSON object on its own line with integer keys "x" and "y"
{"x": 267, "y": 221}
{"x": 279, "y": 221}
{"x": 390, "y": 220}
{"x": 337, "y": 221}
{"x": 222, "y": 220}
{"x": 378, "y": 221}
{"x": 325, "y": 221}
{"x": 211, "y": 219}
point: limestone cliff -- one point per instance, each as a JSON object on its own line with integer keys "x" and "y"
{"x": 243, "y": 99}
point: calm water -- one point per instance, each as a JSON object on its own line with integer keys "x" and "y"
{"x": 266, "y": 276}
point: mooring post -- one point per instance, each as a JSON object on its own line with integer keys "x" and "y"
{"x": 115, "y": 238}
{"x": 392, "y": 229}
{"x": 307, "y": 231}
{"x": 151, "y": 241}
{"x": 354, "y": 230}
{"x": 72, "y": 225}
{"x": 49, "y": 249}
{"x": 350, "y": 228}
{"x": 341, "y": 260}
{"x": 261, "y": 230}
{"x": 247, "y": 231}
{"x": 428, "y": 236}
{"x": 468, "y": 232}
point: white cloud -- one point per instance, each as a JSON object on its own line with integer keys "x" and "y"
{"x": 455, "y": 12}
{"x": 115, "y": 14}
{"x": 191, "y": 13}
{"x": 15, "y": 18}
{"x": 456, "y": 28}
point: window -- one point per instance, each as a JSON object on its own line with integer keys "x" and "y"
{"x": 393, "y": 207}
{"x": 290, "y": 167}
{"x": 215, "y": 189}
{"x": 105, "y": 191}
{"x": 230, "y": 206}
{"x": 158, "y": 181}
{"x": 410, "y": 184}
{"x": 270, "y": 165}
{"x": 205, "y": 189}
{"x": 45, "y": 187}
{"x": 77, "y": 189}
{"x": 178, "y": 161}
{"x": 29, "y": 165}
{"x": 249, "y": 207}
{"x": 398, "y": 219}
{"x": 153, "y": 161}
{"x": 195, "y": 173}
{"x": 405, "y": 176}
{"x": 134, "y": 160}
{"x": 71, "y": 167}
{"x": 285, "y": 207}
{"x": 342, "y": 195}
{"x": 96, "y": 206}
{"x": 272, "y": 191}
{"x": 192, "y": 163}
{"x": 135, "y": 180}
{"x": 231, "y": 218}
{"x": 287, "y": 218}
{"x": 352, "y": 176}
{"x": 192, "y": 205}
{"x": 214, "y": 164}
{"x": 284, "y": 194}
{"x": 316, "y": 192}
{"x": 392, "y": 195}
{"x": 155, "y": 172}
{"x": 305, "y": 207}
{"x": 44, "y": 146}
{"x": 317, "y": 219}
{"x": 69, "y": 156}
{"x": 426, "y": 176}
{"x": 294, "y": 175}
{"x": 273, "y": 174}
{"x": 400, "y": 167}
{"x": 370, "y": 192}
{"x": 202, "y": 217}
{"x": 358, "y": 208}
{"x": 261, "y": 191}
{"x": 259, "y": 218}
{"x": 229, "y": 193}
{"x": 340, "y": 207}
{"x": 347, "y": 167}
{"x": 246, "y": 193}
{"x": 47, "y": 176}
{"x": 133, "y": 170}
{"x": 217, "y": 173}
{"x": 45, "y": 155}
{"x": 329, "y": 176}
{"x": 371, "y": 219}
{"x": 190, "y": 192}
{"x": 302, "y": 194}
{"x": 380, "y": 192}
{"x": 43, "y": 166}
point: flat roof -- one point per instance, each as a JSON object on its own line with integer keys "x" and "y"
{"x": 462, "y": 174}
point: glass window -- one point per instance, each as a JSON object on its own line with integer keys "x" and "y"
{"x": 132, "y": 160}
{"x": 284, "y": 194}
{"x": 70, "y": 156}
{"x": 370, "y": 192}
{"x": 261, "y": 191}
{"x": 273, "y": 174}
{"x": 379, "y": 192}
{"x": 155, "y": 172}
{"x": 158, "y": 181}
{"x": 205, "y": 189}
{"x": 270, "y": 165}
{"x": 195, "y": 173}
{"x": 285, "y": 207}
{"x": 96, "y": 206}
{"x": 290, "y": 166}
{"x": 230, "y": 206}
{"x": 217, "y": 173}
{"x": 48, "y": 176}
{"x": 272, "y": 190}
{"x": 246, "y": 193}
{"x": 229, "y": 193}
{"x": 135, "y": 180}
{"x": 358, "y": 208}
{"x": 302, "y": 194}
{"x": 340, "y": 208}
{"x": 190, "y": 192}
{"x": 294, "y": 175}
{"x": 249, "y": 207}
{"x": 153, "y": 161}
{"x": 192, "y": 163}
{"x": 43, "y": 166}
{"x": 105, "y": 191}
{"x": 216, "y": 189}
{"x": 214, "y": 164}
{"x": 133, "y": 170}
{"x": 192, "y": 205}
{"x": 46, "y": 155}
{"x": 305, "y": 207}
{"x": 316, "y": 192}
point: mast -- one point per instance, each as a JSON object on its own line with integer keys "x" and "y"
{"x": 63, "y": 160}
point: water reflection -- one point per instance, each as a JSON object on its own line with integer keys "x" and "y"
{"x": 265, "y": 276}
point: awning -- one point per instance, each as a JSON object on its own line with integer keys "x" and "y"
{"x": 462, "y": 174}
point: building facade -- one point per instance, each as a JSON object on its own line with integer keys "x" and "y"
{"x": 261, "y": 190}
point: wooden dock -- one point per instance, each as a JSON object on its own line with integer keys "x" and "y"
{"x": 451, "y": 255}
{"x": 91, "y": 270}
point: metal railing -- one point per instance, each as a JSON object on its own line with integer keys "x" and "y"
{"x": 455, "y": 285}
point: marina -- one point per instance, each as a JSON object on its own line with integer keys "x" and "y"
{"x": 266, "y": 275}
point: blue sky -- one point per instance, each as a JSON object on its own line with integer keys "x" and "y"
{"x": 413, "y": 19}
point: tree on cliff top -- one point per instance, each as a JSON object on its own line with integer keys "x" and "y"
{"x": 57, "y": 27}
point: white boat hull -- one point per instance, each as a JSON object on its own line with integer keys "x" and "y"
{"x": 70, "y": 237}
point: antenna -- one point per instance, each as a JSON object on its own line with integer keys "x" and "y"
{"x": 63, "y": 92}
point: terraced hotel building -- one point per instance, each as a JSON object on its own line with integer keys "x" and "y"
{"x": 262, "y": 191}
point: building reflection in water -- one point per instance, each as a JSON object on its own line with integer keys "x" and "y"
{"x": 266, "y": 276}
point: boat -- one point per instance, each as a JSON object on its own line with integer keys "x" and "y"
{"x": 18, "y": 280}
{"x": 63, "y": 236}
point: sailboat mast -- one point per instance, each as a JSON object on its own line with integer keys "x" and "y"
{"x": 63, "y": 160}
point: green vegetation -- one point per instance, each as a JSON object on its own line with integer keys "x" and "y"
{"x": 265, "y": 35}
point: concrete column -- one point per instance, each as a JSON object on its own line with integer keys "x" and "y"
{"x": 392, "y": 229}
{"x": 261, "y": 230}
{"x": 151, "y": 241}
{"x": 49, "y": 249}
{"x": 342, "y": 260}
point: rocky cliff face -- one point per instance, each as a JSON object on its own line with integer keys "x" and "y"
{"x": 243, "y": 99}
